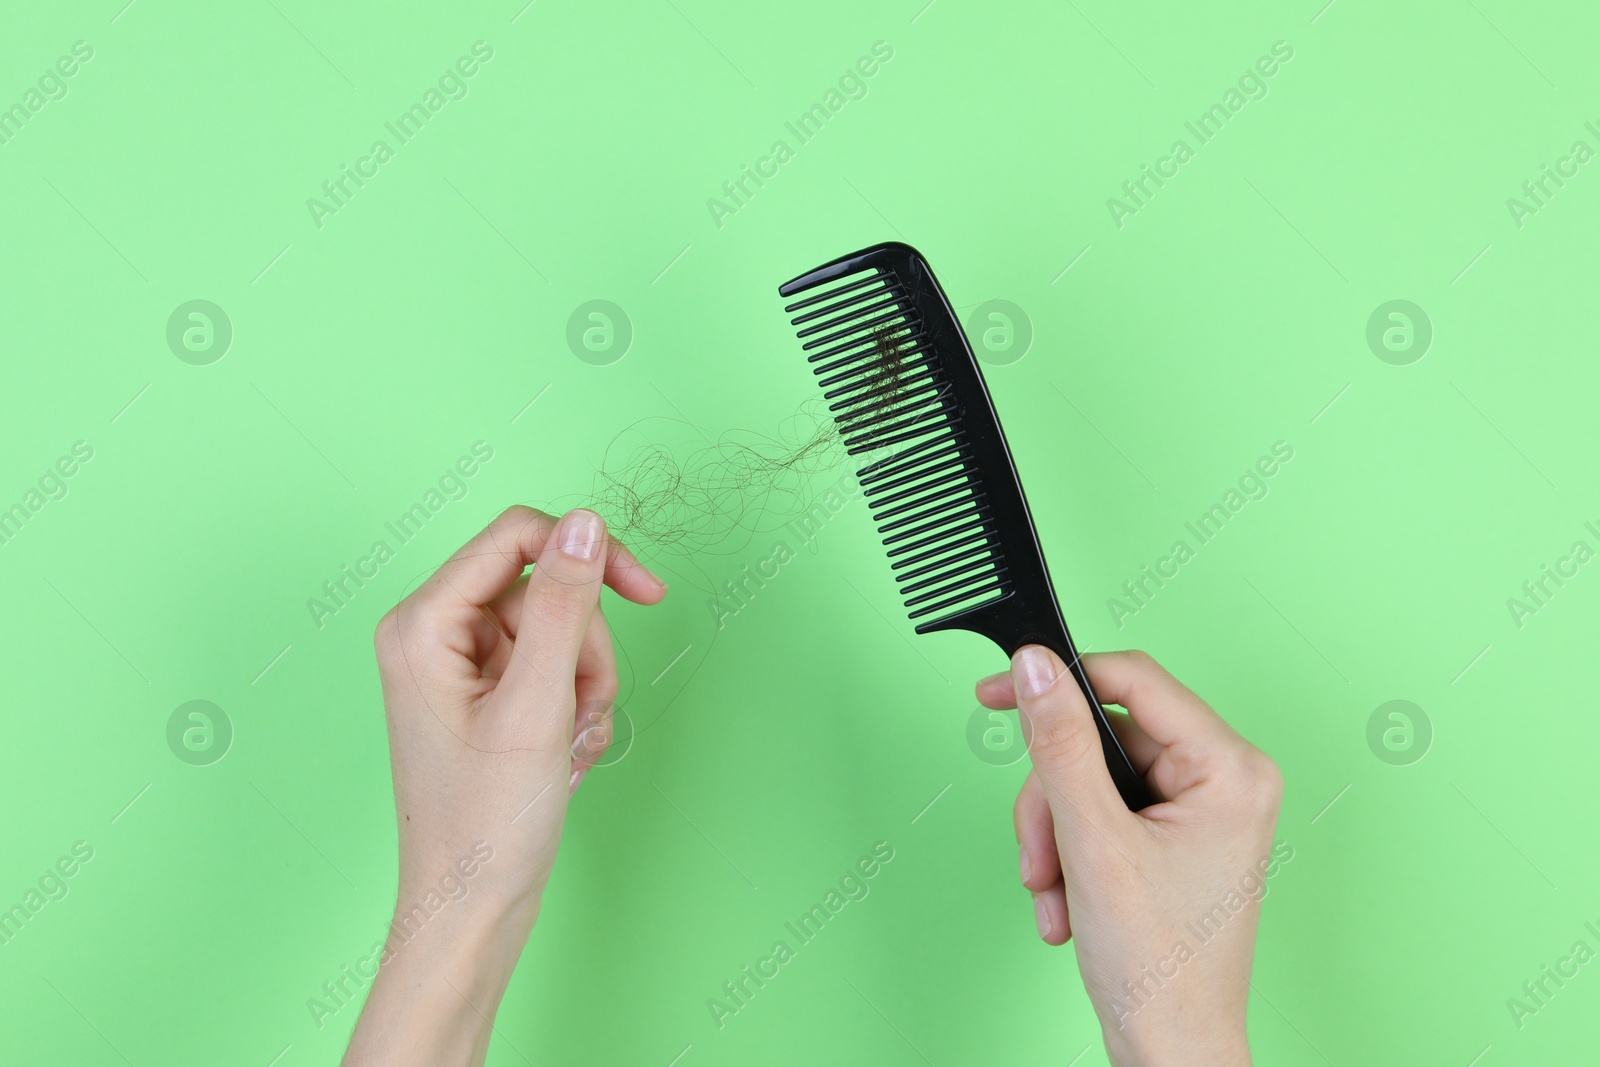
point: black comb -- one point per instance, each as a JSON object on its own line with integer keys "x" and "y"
{"x": 899, "y": 375}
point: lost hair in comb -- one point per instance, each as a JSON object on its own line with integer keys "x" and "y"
{"x": 902, "y": 384}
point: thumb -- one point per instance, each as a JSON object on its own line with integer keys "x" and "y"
{"x": 1065, "y": 746}
{"x": 562, "y": 594}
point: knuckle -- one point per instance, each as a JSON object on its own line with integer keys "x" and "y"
{"x": 1233, "y": 763}
{"x": 1254, "y": 780}
{"x": 1063, "y": 746}
{"x": 1267, "y": 780}
{"x": 386, "y": 635}
{"x": 517, "y": 515}
{"x": 560, "y": 604}
{"x": 508, "y": 526}
{"x": 411, "y": 622}
{"x": 1187, "y": 761}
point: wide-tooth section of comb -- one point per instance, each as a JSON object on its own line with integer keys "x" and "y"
{"x": 890, "y": 397}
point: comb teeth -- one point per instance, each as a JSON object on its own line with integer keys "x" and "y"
{"x": 888, "y": 391}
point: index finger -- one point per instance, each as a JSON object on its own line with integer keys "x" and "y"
{"x": 487, "y": 565}
{"x": 1163, "y": 707}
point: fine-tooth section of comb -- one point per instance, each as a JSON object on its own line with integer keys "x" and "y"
{"x": 889, "y": 393}
{"x": 906, "y": 393}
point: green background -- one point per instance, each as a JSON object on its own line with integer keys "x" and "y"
{"x": 368, "y": 354}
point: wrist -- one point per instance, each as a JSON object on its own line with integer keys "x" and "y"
{"x": 1221, "y": 1047}
{"x": 478, "y": 935}
{"x": 439, "y": 983}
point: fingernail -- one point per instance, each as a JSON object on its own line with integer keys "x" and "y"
{"x": 576, "y": 780}
{"x": 987, "y": 679}
{"x": 1025, "y": 863}
{"x": 580, "y": 534}
{"x": 1041, "y": 915}
{"x": 1033, "y": 671}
